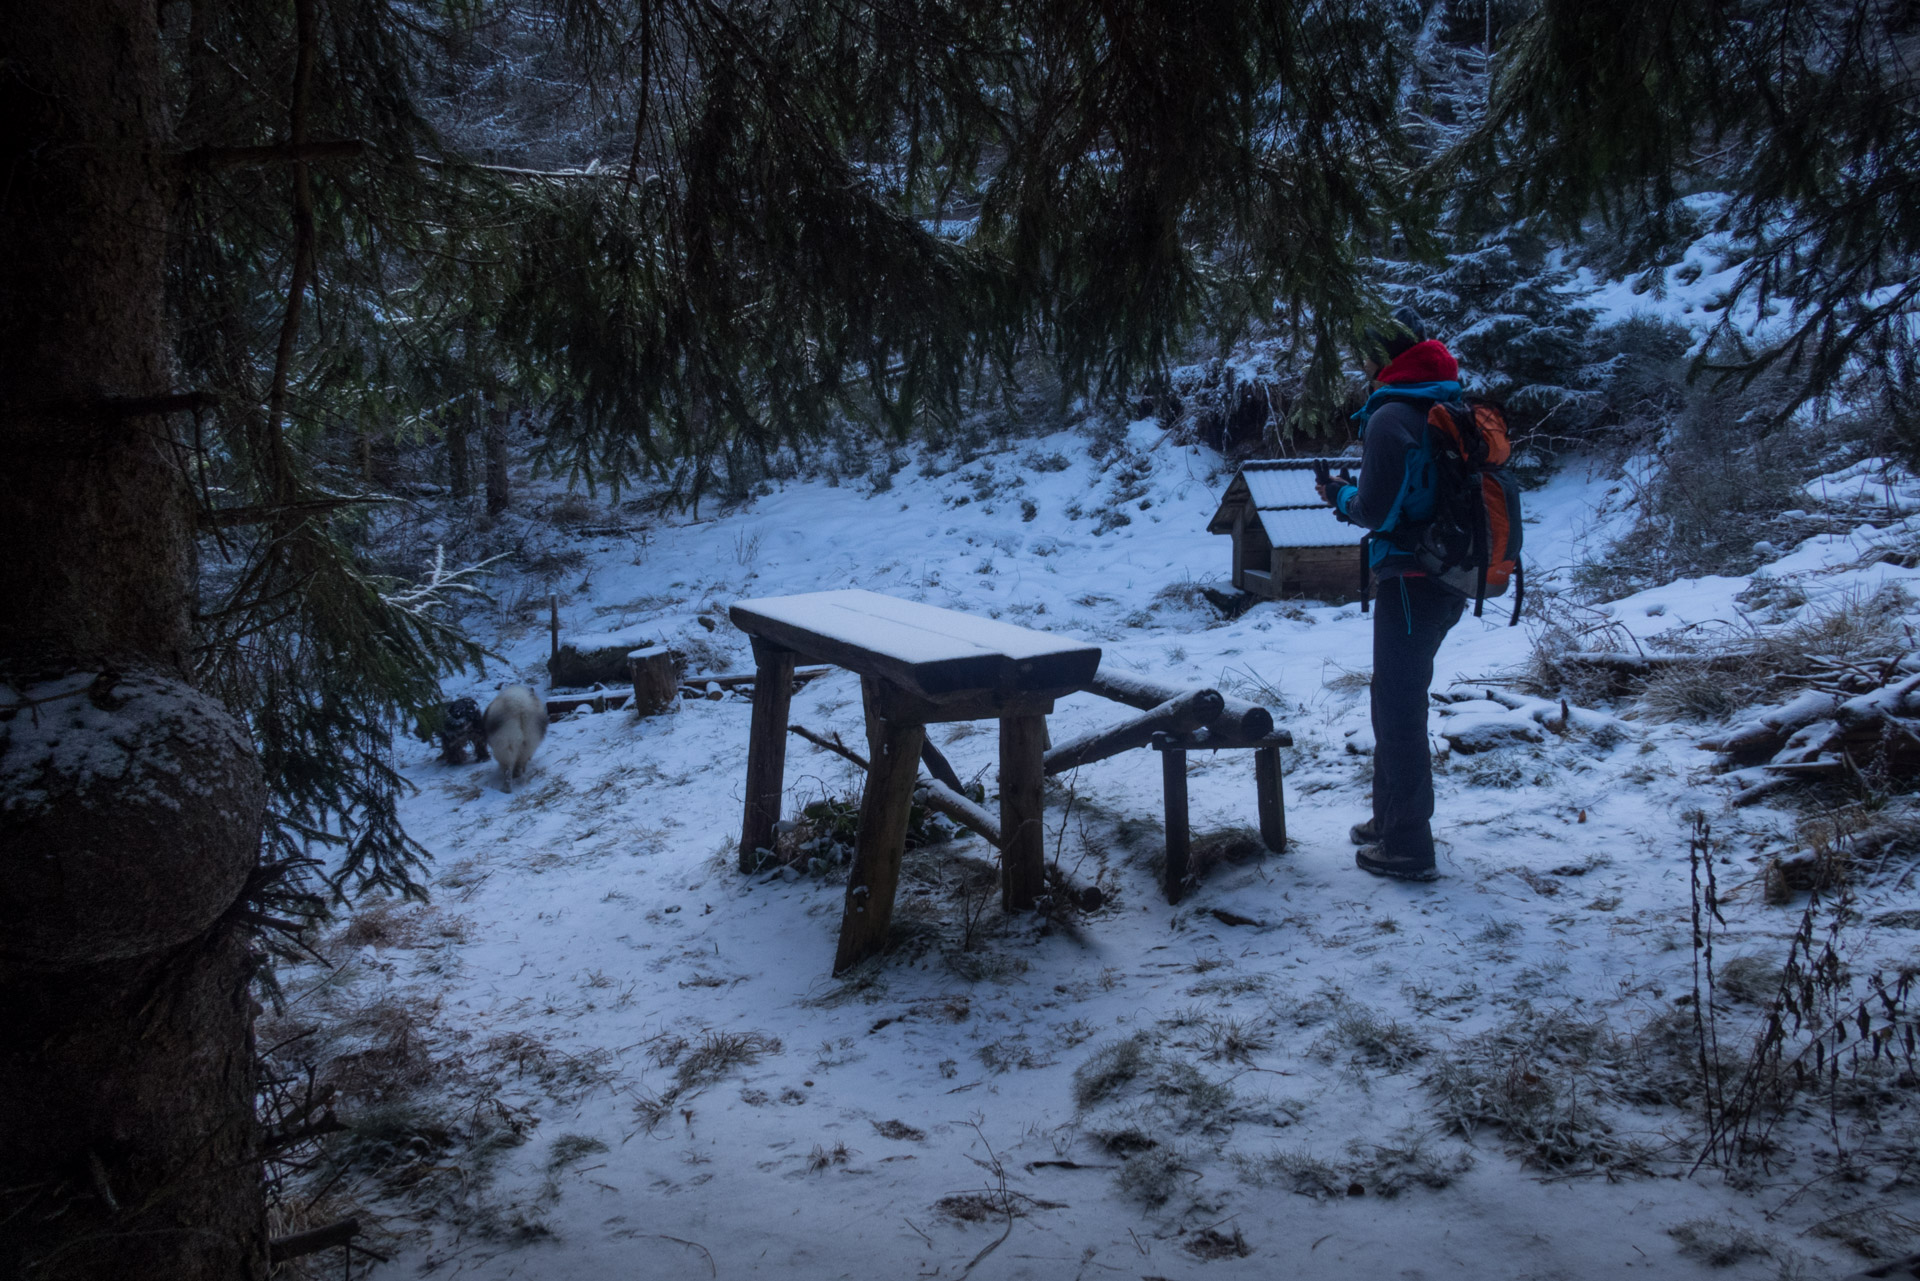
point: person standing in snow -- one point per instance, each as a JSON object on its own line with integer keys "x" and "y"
{"x": 1414, "y": 613}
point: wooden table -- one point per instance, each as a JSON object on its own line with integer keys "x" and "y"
{"x": 919, "y": 665}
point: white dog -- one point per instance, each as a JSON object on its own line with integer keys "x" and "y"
{"x": 515, "y": 723}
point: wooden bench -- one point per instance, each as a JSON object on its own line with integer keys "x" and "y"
{"x": 919, "y": 665}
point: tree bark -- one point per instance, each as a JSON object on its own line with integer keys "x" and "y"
{"x": 130, "y": 804}
{"x": 498, "y": 496}
{"x": 459, "y": 456}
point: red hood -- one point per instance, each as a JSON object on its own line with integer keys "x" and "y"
{"x": 1427, "y": 362}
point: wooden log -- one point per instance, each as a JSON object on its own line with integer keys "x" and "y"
{"x": 941, "y": 799}
{"x": 885, "y": 807}
{"x": 1238, "y": 720}
{"x": 1173, "y": 790}
{"x": 936, "y": 763}
{"x": 735, "y": 680}
{"x": 599, "y": 700}
{"x": 1179, "y": 715}
{"x": 1023, "y": 860}
{"x": 766, "y": 750}
{"x": 1272, "y": 800}
{"x": 299, "y": 1244}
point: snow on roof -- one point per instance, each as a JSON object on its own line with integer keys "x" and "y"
{"x": 1285, "y": 502}
{"x": 1272, "y": 489}
{"x": 1308, "y": 527}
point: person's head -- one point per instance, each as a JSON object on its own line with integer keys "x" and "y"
{"x": 1386, "y": 341}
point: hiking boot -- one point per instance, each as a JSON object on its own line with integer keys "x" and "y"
{"x": 1370, "y": 858}
{"x": 1366, "y": 833}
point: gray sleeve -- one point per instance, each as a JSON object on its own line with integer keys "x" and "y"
{"x": 1383, "y": 463}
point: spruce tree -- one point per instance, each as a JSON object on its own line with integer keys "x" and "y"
{"x": 1803, "y": 112}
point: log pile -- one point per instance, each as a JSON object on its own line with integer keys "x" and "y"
{"x": 1834, "y": 729}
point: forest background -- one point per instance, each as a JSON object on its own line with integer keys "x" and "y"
{"x": 256, "y": 251}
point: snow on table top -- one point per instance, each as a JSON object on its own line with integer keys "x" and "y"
{"x": 904, "y": 630}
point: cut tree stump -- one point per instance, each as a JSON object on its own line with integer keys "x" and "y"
{"x": 656, "y": 679}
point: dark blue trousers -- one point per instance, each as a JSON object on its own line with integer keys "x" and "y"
{"x": 1410, "y": 618}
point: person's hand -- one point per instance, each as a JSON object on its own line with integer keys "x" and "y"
{"x": 1329, "y": 490}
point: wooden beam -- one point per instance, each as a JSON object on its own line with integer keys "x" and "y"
{"x": 1271, "y": 799}
{"x": 1023, "y": 862}
{"x": 1179, "y": 715}
{"x": 1173, "y": 787}
{"x": 734, "y": 680}
{"x": 1240, "y": 721}
{"x": 884, "y": 810}
{"x": 766, "y": 749}
{"x": 938, "y": 766}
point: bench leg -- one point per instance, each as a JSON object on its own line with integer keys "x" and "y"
{"x": 1273, "y": 801}
{"x": 1023, "y": 860}
{"x": 766, "y": 750}
{"x": 1173, "y": 783}
{"x": 893, "y": 768}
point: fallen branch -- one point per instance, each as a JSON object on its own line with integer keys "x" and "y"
{"x": 932, "y": 793}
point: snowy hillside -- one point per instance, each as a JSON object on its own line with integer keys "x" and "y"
{"x": 603, "y": 1052}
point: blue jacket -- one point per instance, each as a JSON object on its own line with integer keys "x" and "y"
{"x": 1396, "y": 486}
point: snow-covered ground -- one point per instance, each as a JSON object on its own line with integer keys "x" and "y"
{"x": 676, "y": 1087}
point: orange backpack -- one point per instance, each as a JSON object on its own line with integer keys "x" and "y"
{"x": 1471, "y": 545}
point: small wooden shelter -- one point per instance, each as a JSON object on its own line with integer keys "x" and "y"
{"x": 1286, "y": 541}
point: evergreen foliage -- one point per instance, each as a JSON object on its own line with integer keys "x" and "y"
{"x": 692, "y": 234}
{"x": 1804, "y": 112}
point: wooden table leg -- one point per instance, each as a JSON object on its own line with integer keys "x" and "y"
{"x": 1173, "y": 781}
{"x": 1023, "y": 859}
{"x": 766, "y": 750}
{"x": 893, "y": 768}
{"x": 1273, "y": 801}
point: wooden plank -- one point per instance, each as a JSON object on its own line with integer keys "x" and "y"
{"x": 766, "y": 750}
{"x": 894, "y": 756}
{"x": 1272, "y": 800}
{"x": 1173, "y": 790}
{"x": 935, "y": 653}
{"x": 1023, "y": 861}
{"x": 898, "y": 704}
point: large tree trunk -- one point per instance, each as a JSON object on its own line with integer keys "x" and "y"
{"x": 130, "y": 803}
{"x": 499, "y": 498}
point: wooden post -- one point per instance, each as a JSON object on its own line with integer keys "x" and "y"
{"x": 553, "y": 626}
{"x": 1239, "y": 548}
{"x": 1023, "y": 860}
{"x": 893, "y": 768}
{"x": 1273, "y": 803}
{"x": 1173, "y": 781}
{"x": 656, "y": 680}
{"x": 766, "y": 749}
